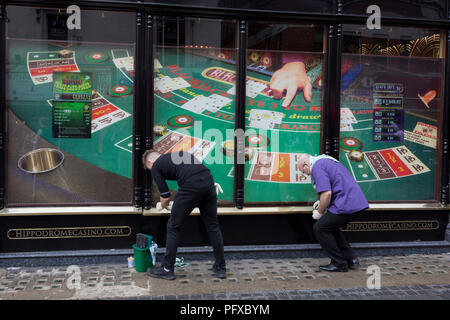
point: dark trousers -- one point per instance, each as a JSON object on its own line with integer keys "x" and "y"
{"x": 329, "y": 235}
{"x": 184, "y": 202}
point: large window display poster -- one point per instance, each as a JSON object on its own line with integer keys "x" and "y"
{"x": 283, "y": 109}
{"x": 76, "y": 99}
{"x": 390, "y": 106}
{"x": 195, "y": 69}
{"x": 195, "y": 91}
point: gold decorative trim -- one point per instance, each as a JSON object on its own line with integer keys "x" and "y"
{"x": 412, "y": 225}
{"x": 110, "y": 210}
{"x": 68, "y": 233}
{"x": 56, "y": 211}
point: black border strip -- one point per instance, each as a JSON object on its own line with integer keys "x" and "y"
{"x": 3, "y": 109}
{"x": 445, "y": 173}
{"x": 147, "y": 77}
{"x": 139, "y": 103}
{"x": 239, "y": 139}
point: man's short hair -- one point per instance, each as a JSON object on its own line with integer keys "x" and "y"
{"x": 303, "y": 158}
{"x": 145, "y": 155}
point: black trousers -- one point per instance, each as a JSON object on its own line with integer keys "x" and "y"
{"x": 184, "y": 202}
{"x": 329, "y": 235}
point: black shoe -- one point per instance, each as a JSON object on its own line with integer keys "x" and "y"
{"x": 221, "y": 273}
{"x": 333, "y": 268}
{"x": 353, "y": 264}
{"x": 161, "y": 273}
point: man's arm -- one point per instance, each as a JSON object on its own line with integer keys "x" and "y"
{"x": 325, "y": 199}
{"x": 164, "y": 192}
{"x": 160, "y": 183}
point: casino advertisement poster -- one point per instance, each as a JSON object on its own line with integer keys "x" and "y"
{"x": 389, "y": 125}
{"x": 72, "y": 105}
{"x": 195, "y": 112}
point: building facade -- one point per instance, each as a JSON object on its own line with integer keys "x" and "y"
{"x": 246, "y": 87}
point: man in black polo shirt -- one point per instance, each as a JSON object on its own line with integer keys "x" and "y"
{"x": 195, "y": 189}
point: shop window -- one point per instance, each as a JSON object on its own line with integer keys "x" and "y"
{"x": 70, "y": 107}
{"x": 195, "y": 69}
{"x": 391, "y": 103}
{"x": 284, "y": 96}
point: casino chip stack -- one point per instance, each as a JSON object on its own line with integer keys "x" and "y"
{"x": 65, "y": 53}
{"x": 159, "y": 130}
{"x": 356, "y": 155}
{"x": 257, "y": 141}
{"x": 354, "y": 147}
{"x": 349, "y": 144}
{"x": 228, "y": 150}
{"x": 119, "y": 91}
{"x": 96, "y": 57}
{"x": 254, "y": 56}
{"x": 266, "y": 60}
{"x": 181, "y": 121}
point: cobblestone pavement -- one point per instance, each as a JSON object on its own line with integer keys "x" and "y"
{"x": 401, "y": 277}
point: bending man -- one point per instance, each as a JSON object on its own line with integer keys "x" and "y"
{"x": 195, "y": 189}
{"x": 341, "y": 196}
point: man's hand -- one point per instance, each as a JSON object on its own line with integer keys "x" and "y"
{"x": 164, "y": 202}
{"x": 316, "y": 215}
{"x": 291, "y": 77}
{"x": 316, "y": 205}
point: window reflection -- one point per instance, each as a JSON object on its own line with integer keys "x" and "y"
{"x": 195, "y": 67}
{"x": 391, "y": 98}
{"x": 71, "y": 92}
{"x": 284, "y": 101}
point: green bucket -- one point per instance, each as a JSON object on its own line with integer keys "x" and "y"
{"x": 142, "y": 259}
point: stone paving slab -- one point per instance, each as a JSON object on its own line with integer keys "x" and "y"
{"x": 401, "y": 277}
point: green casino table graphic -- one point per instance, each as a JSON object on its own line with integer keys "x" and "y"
{"x": 195, "y": 111}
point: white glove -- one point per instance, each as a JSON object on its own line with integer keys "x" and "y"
{"x": 159, "y": 208}
{"x": 316, "y": 205}
{"x": 316, "y": 215}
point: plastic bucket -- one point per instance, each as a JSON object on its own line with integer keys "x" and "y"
{"x": 142, "y": 259}
{"x": 148, "y": 240}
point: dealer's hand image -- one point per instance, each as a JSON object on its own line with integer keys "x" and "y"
{"x": 290, "y": 78}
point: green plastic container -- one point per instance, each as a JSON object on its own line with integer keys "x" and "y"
{"x": 142, "y": 259}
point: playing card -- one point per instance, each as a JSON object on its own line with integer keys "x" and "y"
{"x": 164, "y": 84}
{"x": 346, "y": 126}
{"x": 179, "y": 83}
{"x": 124, "y": 62}
{"x": 262, "y": 124}
{"x": 267, "y": 115}
{"x": 157, "y": 64}
{"x": 232, "y": 91}
{"x": 202, "y": 149}
{"x": 253, "y": 88}
{"x": 196, "y": 104}
{"x": 347, "y": 115}
{"x": 216, "y": 102}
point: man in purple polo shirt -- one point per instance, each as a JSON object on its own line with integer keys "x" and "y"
{"x": 342, "y": 198}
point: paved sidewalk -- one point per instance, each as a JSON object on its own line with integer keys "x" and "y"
{"x": 401, "y": 277}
